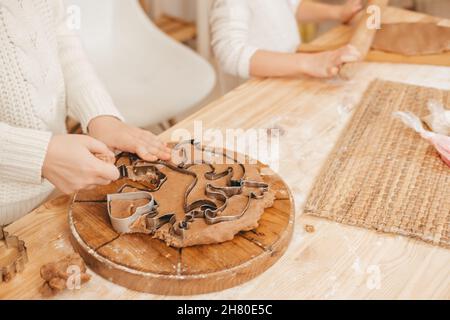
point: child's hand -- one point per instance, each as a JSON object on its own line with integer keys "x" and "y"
{"x": 120, "y": 136}
{"x": 349, "y": 10}
{"x": 71, "y": 165}
{"x": 327, "y": 64}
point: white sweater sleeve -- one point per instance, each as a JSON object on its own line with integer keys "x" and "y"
{"x": 22, "y": 153}
{"x": 230, "y": 30}
{"x": 87, "y": 98}
{"x": 294, "y": 4}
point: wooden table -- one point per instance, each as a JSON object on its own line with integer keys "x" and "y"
{"x": 334, "y": 262}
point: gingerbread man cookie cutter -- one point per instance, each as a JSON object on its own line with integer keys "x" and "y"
{"x": 17, "y": 265}
{"x": 205, "y": 209}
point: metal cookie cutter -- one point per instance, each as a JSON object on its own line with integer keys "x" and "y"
{"x": 144, "y": 173}
{"x": 8, "y": 271}
{"x": 122, "y": 225}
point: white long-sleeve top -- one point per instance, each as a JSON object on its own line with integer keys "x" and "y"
{"x": 44, "y": 74}
{"x": 241, "y": 27}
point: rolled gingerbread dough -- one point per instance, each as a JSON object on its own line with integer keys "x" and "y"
{"x": 171, "y": 200}
{"x": 126, "y": 208}
{"x": 412, "y": 39}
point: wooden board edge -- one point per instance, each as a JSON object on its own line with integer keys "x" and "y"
{"x": 181, "y": 285}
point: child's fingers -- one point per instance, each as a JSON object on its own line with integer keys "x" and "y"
{"x": 347, "y": 54}
{"x": 350, "y": 54}
{"x": 151, "y": 153}
{"x": 145, "y": 154}
{"x": 333, "y": 71}
{"x": 159, "y": 149}
{"x": 154, "y": 146}
{"x": 356, "y": 5}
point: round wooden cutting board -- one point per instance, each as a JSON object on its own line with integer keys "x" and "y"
{"x": 139, "y": 262}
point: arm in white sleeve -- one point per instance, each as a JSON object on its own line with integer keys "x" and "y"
{"x": 87, "y": 98}
{"x": 230, "y": 29}
{"x": 294, "y": 5}
{"x": 22, "y": 153}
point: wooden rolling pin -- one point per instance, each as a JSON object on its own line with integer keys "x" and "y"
{"x": 363, "y": 36}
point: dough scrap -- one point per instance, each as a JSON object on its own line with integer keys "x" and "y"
{"x": 56, "y": 274}
{"x": 412, "y": 39}
{"x": 126, "y": 208}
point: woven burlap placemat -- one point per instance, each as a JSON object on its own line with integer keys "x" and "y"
{"x": 381, "y": 175}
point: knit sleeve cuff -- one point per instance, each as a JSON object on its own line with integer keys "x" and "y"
{"x": 90, "y": 104}
{"x": 22, "y": 154}
{"x": 244, "y": 61}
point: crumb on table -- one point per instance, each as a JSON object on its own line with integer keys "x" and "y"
{"x": 310, "y": 228}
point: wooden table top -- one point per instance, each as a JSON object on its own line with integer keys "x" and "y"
{"x": 335, "y": 261}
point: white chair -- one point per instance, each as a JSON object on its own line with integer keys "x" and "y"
{"x": 151, "y": 77}
{"x": 189, "y": 10}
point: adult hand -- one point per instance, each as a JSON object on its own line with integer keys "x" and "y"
{"x": 73, "y": 163}
{"x": 120, "y": 136}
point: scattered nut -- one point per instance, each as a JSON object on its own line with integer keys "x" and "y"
{"x": 57, "y": 274}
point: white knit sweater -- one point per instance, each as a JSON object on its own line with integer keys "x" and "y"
{"x": 44, "y": 75}
{"x": 241, "y": 27}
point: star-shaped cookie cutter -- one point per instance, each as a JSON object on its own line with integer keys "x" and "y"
{"x": 17, "y": 265}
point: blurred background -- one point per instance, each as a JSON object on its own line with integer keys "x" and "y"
{"x": 155, "y": 56}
